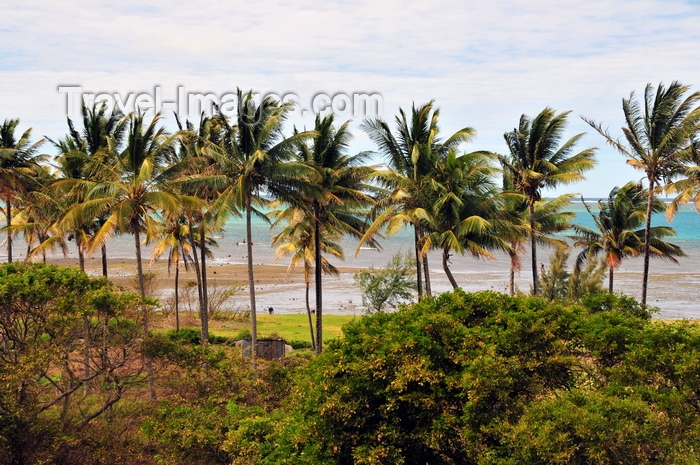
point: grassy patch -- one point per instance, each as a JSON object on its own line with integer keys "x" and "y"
{"x": 288, "y": 327}
{"x": 296, "y": 327}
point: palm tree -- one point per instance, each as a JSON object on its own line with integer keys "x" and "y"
{"x": 18, "y": 165}
{"x": 175, "y": 241}
{"x": 133, "y": 191}
{"x": 248, "y": 156}
{"x": 660, "y": 136}
{"x": 411, "y": 153}
{"x": 133, "y": 194}
{"x": 464, "y": 213}
{"x": 297, "y": 241}
{"x": 36, "y": 219}
{"x": 332, "y": 192}
{"x": 209, "y": 210}
{"x": 617, "y": 234}
{"x": 538, "y": 160}
{"x": 90, "y": 153}
{"x": 549, "y": 220}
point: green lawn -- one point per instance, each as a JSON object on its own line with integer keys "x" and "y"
{"x": 288, "y": 327}
{"x": 296, "y": 327}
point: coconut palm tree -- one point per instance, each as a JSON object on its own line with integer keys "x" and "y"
{"x": 68, "y": 189}
{"x": 204, "y": 209}
{"x": 411, "y": 153}
{"x": 297, "y": 241}
{"x": 134, "y": 191}
{"x": 132, "y": 196}
{"x": 36, "y": 220}
{"x": 549, "y": 219}
{"x": 90, "y": 153}
{"x": 464, "y": 214}
{"x": 659, "y": 134}
{"x": 332, "y": 190}
{"x": 240, "y": 168}
{"x": 175, "y": 240}
{"x": 538, "y": 160}
{"x": 618, "y": 234}
{"x": 19, "y": 163}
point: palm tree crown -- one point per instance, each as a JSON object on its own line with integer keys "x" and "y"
{"x": 411, "y": 151}
{"x": 331, "y": 190}
{"x": 19, "y": 164}
{"x": 538, "y": 160}
{"x": 619, "y": 232}
{"x": 659, "y": 134}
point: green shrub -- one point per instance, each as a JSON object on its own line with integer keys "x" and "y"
{"x": 297, "y": 345}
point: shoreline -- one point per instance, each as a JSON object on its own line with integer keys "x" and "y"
{"x": 675, "y": 293}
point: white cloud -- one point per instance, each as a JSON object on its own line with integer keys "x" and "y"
{"x": 484, "y": 62}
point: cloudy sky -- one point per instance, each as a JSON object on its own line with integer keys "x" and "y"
{"x": 484, "y": 62}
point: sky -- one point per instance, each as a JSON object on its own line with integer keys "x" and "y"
{"x": 485, "y": 63}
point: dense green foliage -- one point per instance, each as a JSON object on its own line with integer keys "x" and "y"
{"x": 478, "y": 378}
{"x": 73, "y": 383}
{"x": 489, "y": 379}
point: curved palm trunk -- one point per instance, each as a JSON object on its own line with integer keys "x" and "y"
{"x": 251, "y": 279}
{"x": 419, "y": 274}
{"x": 610, "y": 280}
{"x": 177, "y": 297}
{"x": 446, "y": 267}
{"x": 319, "y": 283}
{"x": 142, "y": 288}
{"x": 308, "y": 306}
{"x": 8, "y": 205}
{"x": 204, "y": 308}
{"x": 533, "y": 245}
{"x": 647, "y": 240}
{"x": 81, "y": 259}
{"x": 104, "y": 260}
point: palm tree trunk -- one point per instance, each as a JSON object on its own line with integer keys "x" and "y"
{"x": 142, "y": 288}
{"x": 8, "y": 204}
{"x": 319, "y": 283}
{"x": 204, "y": 308}
{"x": 647, "y": 241}
{"x": 139, "y": 265}
{"x": 81, "y": 259}
{"x": 513, "y": 257}
{"x": 177, "y": 297}
{"x": 426, "y": 267}
{"x": 610, "y": 280}
{"x": 419, "y": 274}
{"x": 308, "y": 307}
{"x": 426, "y": 273}
{"x": 446, "y": 267}
{"x": 533, "y": 245}
{"x": 104, "y": 260}
{"x": 197, "y": 270}
{"x": 251, "y": 280}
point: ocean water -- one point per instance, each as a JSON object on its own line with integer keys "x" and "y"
{"x": 672, "y": 287}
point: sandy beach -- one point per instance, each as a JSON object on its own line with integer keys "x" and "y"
{"x": 675, "y": 292}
